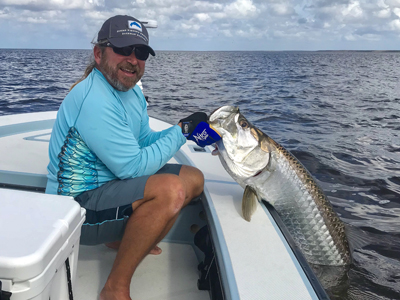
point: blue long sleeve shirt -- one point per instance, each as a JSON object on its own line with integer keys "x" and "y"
{"x": 102, "y": 134}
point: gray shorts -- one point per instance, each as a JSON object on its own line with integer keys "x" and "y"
{"x": 109, "y": 206}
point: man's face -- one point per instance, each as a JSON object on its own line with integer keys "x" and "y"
{"x": 122, "y": 72}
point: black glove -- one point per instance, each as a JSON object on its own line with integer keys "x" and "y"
{"x": 196, "y": 128}
{"x": 191, "y": 122}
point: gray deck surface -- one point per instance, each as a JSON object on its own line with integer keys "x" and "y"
{"x": 172, "y": 275}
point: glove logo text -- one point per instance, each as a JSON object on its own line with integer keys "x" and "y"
{"x": 201, "y": 136}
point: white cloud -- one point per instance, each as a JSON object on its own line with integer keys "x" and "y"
{"x": 258, "y": 23}
{"x": 395, "y": 25}
{"x": 189, "y": 27}
{"x": 392, "y": 3}
{"x": 205, "y": 6}
{"x": 227, "y": 33}
{"x": 353, "y": 10}
{"x": 383, "y": 13}
{"x": 396, "y": 11}
{"x": 54, "y": 4}
{"x": 203, "y": 17}
{"x": 241, "y": 9}
{"x": 382, "y": 4}
{"x": 350, "y": 37}
{"x": 326, "y": 25}
{"x": 282, "y": 9}
{"x": 156, "y": 4}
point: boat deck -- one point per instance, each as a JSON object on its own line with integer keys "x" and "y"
{"x": 172, "y": 275}
{"x": 254, "y": 258}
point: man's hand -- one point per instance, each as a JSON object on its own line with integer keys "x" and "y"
{"x": 196, "y": 128}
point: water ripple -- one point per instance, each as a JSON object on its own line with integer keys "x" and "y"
{"x": 338, "y": 112}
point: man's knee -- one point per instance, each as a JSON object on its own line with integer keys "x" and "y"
{"x": 174, "y": 187}
{"x": 168, "y": 190}
{"x": 198, "y": 177}
{"x": 194, "y": 179}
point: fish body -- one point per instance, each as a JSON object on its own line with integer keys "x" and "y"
{"x": 266, "y": 170}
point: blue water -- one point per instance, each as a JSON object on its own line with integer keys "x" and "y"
{"x": 337, "y": 112}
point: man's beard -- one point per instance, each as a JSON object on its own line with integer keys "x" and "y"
{"x": 111, "y": 74}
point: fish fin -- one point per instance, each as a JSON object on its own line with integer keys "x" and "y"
{"x": 356, "y": 237}
{"x": 249, "y": 203}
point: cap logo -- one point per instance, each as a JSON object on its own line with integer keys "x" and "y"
{"x": 134, "y": 25}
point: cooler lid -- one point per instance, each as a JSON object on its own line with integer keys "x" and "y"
{"x": 33, "y": 228}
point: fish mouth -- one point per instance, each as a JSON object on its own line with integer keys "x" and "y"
{"x": 223, "y": 121}
{"x": 213, "y": 128}
{"x": 215, "y": 152}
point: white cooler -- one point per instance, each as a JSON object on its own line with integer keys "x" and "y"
{"x": 38, "y": 233}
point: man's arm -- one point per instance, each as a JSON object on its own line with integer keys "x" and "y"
{"x": 108, "y": 135}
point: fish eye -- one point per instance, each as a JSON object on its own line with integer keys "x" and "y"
{"x": 243, "y": 124}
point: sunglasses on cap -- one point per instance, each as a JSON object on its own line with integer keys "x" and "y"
{"x": 141, "y": 53}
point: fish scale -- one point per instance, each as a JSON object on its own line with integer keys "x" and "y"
{"x": 292, "y": 191}
{"x": 302, "y": 209}
{"x": 285, "y": 183}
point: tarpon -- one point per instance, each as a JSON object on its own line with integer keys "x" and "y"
{"x": 266, "y": 170}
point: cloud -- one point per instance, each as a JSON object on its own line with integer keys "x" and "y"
{"x": 396, "y": 11}
{"x": 383, "y": 13}
{"x": 203, "y": 17}
{"x": 205, "y": 24}
{"x": 282, "y": 9}
{"x": 395, "y": 25}
{"x": 241, "y": 9}
{"x": 40, "y": 5}
{"x": 392, "y": 3}
{"x": 353, "y": 10}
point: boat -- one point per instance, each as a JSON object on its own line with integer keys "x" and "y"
{"x": 248, "y": 260}
{"x": 210, "y": 253}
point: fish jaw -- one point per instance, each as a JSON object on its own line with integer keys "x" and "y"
{"x": 233, "y": 170}
{"x": 239, "y": 150}
{"x": 223, "y": 120}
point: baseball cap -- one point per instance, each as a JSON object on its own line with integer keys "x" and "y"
{"x": 122, "y": 31}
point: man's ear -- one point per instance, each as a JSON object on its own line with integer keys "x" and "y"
{"x": 97, "y": 54}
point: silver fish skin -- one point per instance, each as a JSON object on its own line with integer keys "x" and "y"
{"x": 266, "y": 170}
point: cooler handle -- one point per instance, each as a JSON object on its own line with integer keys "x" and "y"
{"x": 67, "y": 267}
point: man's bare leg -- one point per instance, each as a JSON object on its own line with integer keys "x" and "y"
{"x": 193, "y": 181}
{"x": 152, "y": 217}
{"x": 115, "y": 245}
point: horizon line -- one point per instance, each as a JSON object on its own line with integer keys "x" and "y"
{"x": 326, "y": 50}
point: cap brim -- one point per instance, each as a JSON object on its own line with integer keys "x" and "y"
{"x": 117, "y": 42}
{"x": 151, "y": 51}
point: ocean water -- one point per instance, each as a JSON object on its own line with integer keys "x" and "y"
{"x": 337, "y": 112}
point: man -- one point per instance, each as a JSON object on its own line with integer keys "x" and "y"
{"x": 103, "y": 153}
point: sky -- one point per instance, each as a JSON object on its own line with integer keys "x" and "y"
{"x": 208, "y": 25}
